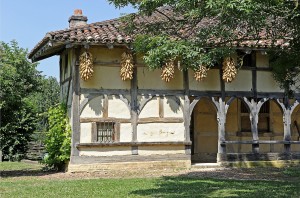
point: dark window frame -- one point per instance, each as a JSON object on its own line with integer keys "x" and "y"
{"x": 101, "y": 132}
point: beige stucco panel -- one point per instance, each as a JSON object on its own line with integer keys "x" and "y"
{"x": 104, "y": 54}
{"x": 210, "y": 83}
{"x": 85, "y": 132}
{"x": 117, "y": 108}
{"x": 242, "y": 82}
{"x": 172, "y": 108}
{"x": 105, "y": 151}
{"x": 105, "y": 77}
{"x": 94, "y": 108}
{"x": 125, "y": 132}
{"x": 151, "y": 109}
{"x": 151, "y": 79}
{"x": 266, "y": 82}
{"x": 162, "y": 132}
{"x": 262, "y": 60}
{"x": 161, "y": 150}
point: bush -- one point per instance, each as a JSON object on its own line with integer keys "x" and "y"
{"x": 58, "y": 140}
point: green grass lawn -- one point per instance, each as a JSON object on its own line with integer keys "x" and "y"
{"x": 175, "y": 186}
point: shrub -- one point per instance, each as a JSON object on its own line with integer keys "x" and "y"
{"x": 58, "y": 140}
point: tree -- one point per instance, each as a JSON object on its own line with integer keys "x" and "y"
{"x": 201, "y": 33}
{"x": 18, "y": 79}
{"x": 45, "y": 97}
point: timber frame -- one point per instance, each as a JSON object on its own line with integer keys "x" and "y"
{"x": 221, "y": 100}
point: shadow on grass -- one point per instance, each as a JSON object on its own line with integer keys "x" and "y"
{"x": 21, "y": 173}
{"x": 186, "y": 186}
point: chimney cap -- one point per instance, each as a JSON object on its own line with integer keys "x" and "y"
{"x": 77, "y": 19}
{"x": 77, "y": 12}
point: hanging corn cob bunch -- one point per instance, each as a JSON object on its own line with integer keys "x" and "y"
{"x": 126, "y": 66}
{"x": 229, "y": 70}
{"x": 86, "y": 65}
{"x": 201, "y": 73}
{"x": 168, "y": 71}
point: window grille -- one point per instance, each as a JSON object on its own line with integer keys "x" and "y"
{"x": 105, "y": 132}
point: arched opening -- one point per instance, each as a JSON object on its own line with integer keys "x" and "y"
{"x": 270, "y": 126}
{"x": 204, "y": 132}
{"x": 295, "y": 128}
{"x": 238, "y": 127}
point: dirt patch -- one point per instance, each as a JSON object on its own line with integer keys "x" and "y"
{"x": 217, "y": 173}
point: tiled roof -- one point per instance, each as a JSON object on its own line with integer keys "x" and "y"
{"x": 96, "y": 33}
{"x": 109, "y": 32}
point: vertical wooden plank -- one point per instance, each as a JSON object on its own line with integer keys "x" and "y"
{"x": 134, "y": 103}
{"x": 94, "y": 132}
{"x": 222, "y": 84}
{"x": 254, "y": 74}
{"x": 186, "y": 106}
{"x": 161, "y": 107}
{"x": 105, "y": 106}
{"x": 117, "y": 131}
{"x": 75, "y": 114}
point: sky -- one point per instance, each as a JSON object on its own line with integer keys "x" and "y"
{"x": 28, "y": 21}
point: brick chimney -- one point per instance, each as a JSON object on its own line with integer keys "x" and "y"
{"x": 77, "y": 19}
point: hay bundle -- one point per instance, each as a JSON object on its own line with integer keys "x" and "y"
{"x": 229, "y": 70}
{"x": 86, "y": 65}
{"x": 201, "y": 73}
{"x": 168, "y": 71}
{"x": 126, "y": 71}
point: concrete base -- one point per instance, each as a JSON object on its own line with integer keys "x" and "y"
{"x": 176, "y": 164}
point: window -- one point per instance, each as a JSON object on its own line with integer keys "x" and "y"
{"x": 263, "y": 118}
{"x": 248, "y": 59}
{"x": 105, "y": 132}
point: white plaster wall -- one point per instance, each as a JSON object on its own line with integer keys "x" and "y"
{"x": 262, "y": 60}
{"x": 117, "y": 108}
{"x": 151, "y": 79}
{"x": 151, "y": 109}
{"x": 93, "y": 108}
{"x": 242, "y": 82}
{"x": 125, "y": 132}
{"x": 210, "y": 83}
{"x": 162, "y": 132}
{"x": 105, "y": 151}
{"x": 171, "y": 108}
{"x": 161, "y": 150}
{"x": 266, "y": 82}
{"x": 106, "y": 78}
{"x": 85, "y": 132}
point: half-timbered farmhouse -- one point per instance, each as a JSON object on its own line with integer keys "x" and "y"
{"x": 137, "y": 119}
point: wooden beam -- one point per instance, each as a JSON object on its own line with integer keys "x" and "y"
{"x": 110, "y": 119}
{"x": 75, "y": 111}
{"x": 113, "y": 64}
{"x": 161, "y": 107}
{"x": 134, "y": 103}
{"x": 112, "y": 144}
{"x": 160, "y": 120}
{"x": 160, "y": 92}
{"x": 105, "y": 91}
{"x": 105, "y": 107}
{"x": 261, "y": 142}
{"x": 186, "y": 106}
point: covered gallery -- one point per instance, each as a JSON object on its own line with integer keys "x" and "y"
{"x": 140, "y": 120}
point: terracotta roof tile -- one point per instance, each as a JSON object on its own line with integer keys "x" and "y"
{"x": 109, "y": 32}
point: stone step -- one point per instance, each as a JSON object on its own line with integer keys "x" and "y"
{"x": 205, "y": 165}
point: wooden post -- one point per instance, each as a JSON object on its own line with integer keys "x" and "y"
{"x": 186, "y": 106}
{"x": 254, "y": 110}
{"x": 222, "y": 109}
{"x": 75, "y": 111}
{"x": 134, "y": 104}
{"x": 287, "y": 120}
